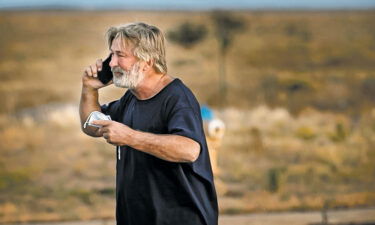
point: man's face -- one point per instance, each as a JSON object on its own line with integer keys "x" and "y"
{"x": 125, "y": 66}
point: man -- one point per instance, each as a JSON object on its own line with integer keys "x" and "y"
{"x": 163, "y": 174}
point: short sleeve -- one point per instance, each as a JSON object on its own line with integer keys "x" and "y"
{"x": 185, "y": 122}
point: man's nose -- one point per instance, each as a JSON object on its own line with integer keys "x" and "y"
{"x": 114, "y": 61}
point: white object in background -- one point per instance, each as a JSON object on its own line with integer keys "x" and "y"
{"x": 216, "y": 129}
{"x": 95, "y": 115}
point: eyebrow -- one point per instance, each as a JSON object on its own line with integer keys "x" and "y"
{"x": 118, "y": 51}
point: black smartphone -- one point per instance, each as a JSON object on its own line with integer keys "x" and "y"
{"x": 105, "y": 75}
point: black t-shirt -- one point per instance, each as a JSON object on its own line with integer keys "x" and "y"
{"x": 152, "y": 191}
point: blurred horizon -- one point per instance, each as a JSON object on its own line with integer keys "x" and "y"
{"x": 295, "y": 90}
{"x": 186, "y": 5}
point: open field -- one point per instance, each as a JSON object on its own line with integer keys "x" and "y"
{"x": 343, "y": 217}
{"x": 299, "y": 114}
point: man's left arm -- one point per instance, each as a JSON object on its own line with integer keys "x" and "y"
{"x": 169, "y": 147}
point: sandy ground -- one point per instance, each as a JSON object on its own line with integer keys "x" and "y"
{"x": 345, "y": 216}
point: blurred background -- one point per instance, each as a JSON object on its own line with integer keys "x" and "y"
{"x": 293, "y": 82}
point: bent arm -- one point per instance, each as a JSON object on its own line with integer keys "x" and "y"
{"x": 89, "y": 96}
{"x": 169, "y": 147}
{"x": 172, "y": 148}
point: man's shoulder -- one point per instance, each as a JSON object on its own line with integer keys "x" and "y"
{"x": 180, "y": 96}
{"x": 179, "y": 90}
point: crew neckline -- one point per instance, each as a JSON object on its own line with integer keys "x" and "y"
{"x": 157, "y": 94}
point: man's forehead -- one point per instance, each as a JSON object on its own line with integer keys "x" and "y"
{"x": 120, "y": 45}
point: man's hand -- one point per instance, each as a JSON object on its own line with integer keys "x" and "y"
{"x": 115, "y": 133}
{"x": 90, "y": 76}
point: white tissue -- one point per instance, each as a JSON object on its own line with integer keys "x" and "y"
{"x": 95, "y": 115}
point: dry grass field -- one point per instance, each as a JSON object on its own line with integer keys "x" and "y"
{"x": 300, "y": 110}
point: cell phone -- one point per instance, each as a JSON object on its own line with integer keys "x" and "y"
{"x": 105, "y": 75}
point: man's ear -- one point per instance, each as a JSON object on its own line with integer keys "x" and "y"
{"x": 148, "y": 65}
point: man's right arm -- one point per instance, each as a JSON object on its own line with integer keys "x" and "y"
{"x": 89, "y": 96}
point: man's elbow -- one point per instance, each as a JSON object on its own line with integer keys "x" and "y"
{"x": 90, "y": 132}
{"x": 194, "y": 152}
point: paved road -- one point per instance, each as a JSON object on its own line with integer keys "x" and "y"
{"x": 301, "y": 218}
{"x": 354, "y": 216}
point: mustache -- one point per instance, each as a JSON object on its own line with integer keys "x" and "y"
{"x": 117, "y": 70}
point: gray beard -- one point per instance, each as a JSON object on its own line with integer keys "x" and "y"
{"x": 128, "y": 79}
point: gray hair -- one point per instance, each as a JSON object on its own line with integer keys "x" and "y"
{"x": 147, "y": 42}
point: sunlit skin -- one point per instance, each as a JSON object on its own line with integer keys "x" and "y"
{"x": 173, "y": 148}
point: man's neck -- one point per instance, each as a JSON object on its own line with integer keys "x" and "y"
{"x": 151, "y": 86}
